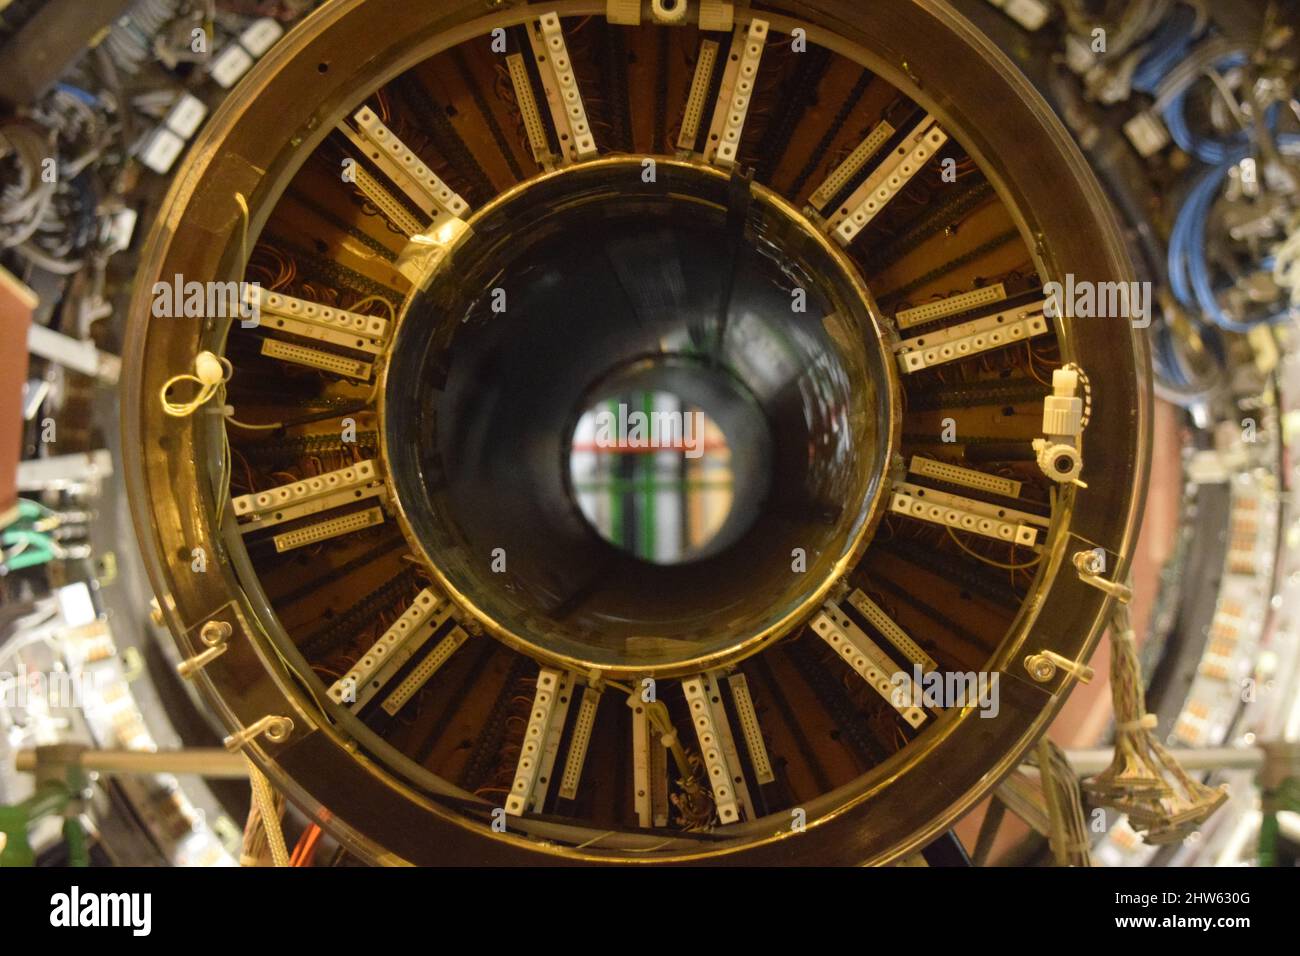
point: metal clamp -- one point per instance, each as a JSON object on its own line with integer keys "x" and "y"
{"x": 1043, "y": 666}
{"x": 276, "y": 729}
{"x": 1091, "y": 565}
{"x": 215, "y": 634}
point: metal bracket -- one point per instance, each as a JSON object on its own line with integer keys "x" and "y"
{"x": 276, "y": 729}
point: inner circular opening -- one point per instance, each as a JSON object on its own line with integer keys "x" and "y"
{"x": 671, "y": 463}
{"x": 593, "y": 284}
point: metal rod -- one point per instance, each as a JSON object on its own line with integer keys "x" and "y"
{"x": 210, "y": 762}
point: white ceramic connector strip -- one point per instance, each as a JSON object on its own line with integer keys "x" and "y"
{"x": 753, "y": 734}
{"x": 952, "y": 305}
{"x": 550, "y": 704}
{"x": 890, "y": 631}
{"x": 888, "y": 181}
{"x": 579, "y": 741}
{"x": 964, "y": 514}
{"x": 318, "y": 359}
{"x": 720, "y": 773}
{"x": 388, "y": 205}
{"x": 966, "y": 477}
{"x": 407, "y": 171}
{"x": 329, "y": 528}
{"x": 561, "y": 86}
{"x": 972, "y": 338}
{"x": 314, "y": 506}
{"x": 851, "y": 166}
{"x": 736, "y": 93}
{"x": 690, "y": 130}
{"x": 869, "y": 662}
{"x": 281, "y": 496}
{"x": 422, "y": 672}
{"x": 415, "y": 619}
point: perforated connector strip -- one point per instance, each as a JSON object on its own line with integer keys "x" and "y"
{"x": 318, "y": 359}
{"x": 952, "y": 305}
{"x": 420, "y": 674}
{"x": 415, "y": 619}
{"x": 700, "y": 82}
{"x": 869, "y": 662}
{"x": 932, "y": 510}
{"x": 972, "y": 338}
{"x": 966, "y": 477}
{"x": 330, "y": 528}
{"x": 388, "y": 205}
{"x": 355, "y": 324}
{"x": 579, "y": 741}
{"x": 719, "y": 772}
{"x": 282, "y": 496}
{"x": 753, "y": 734}
{"x": 736, "y": 93}
{"x": 851, "y": 166}
{"x": 551, "y": 686}
{"x": 403, "y": 167}
{"x": 890, "y": 631}
{"x": 314, "y": 506}
{"x": 897, "y": 173}
{"x": 527, "y": 102}
{"x": 562, "y": 93}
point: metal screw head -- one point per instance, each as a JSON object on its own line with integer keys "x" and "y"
{"x": 215, "y": 632}
{"x": 1040, "y": 668}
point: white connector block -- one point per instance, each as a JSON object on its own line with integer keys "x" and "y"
{"x": 418, "y": 621}
{"x": 700, "y": 81}
{"x": 329, "y": 528}
{"x": 261, "y": 503}
{"x": 750, "y": 729}
{"x": 403, "y": 167}
{"x": 869, "y": 662}
{"x": 896, "y": 173}
{"x": 890, "y": 631}
{"x": 318, "y": 359}
{"x": 852, "y": 165}
{"x": 1057, "y": 452}
{"x": 579, "y": 741}
{"x": 964, "y": 514}
{"x": 735, "y": 94}
{"x": 550, "y": 705}
{"x": 975, "y": 337}
{"x": 562, "y": 93}
{"x": 422, "y": 672}
{"x": 966, "y": 477}
{"x": 952, "y": 305}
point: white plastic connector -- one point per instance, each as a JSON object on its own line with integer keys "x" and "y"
{"x": 579, "y": 741}
{"x": 735, "y": 94}
{"x": 750, "y": 729}
{"x": 321, "y": 323}
{"x": 562, "y": 93}
{"x": 717, "y": 16}
{"x": 952, "y": 305}
{"x": 532, "y": 116}
{"x": 852, "y": 165}
{"x": 329, "y": 528}
{"x": 422, "y": 672}
{"x": 895, "y": 173}
{"x": 415, "y": 626}
{"x": 668, "y": 13}
{"x": 966, "y": 477}
{"x": 402, "y": 166}
{"x": 965, "y": 514}
{"x": 704, "y": 63}
{"x": 890, "y": 630}
{"x": 388, "y": 205}
{"x": 261, "y": 503}
{"x": 1058, "y": 452}
{"x": 972, "y": 338}
{"x": 869, "y": 662}
{"x": 541, "y": 741}
{"x": 318, "y": 359}
{"x": 625, "y": 13}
